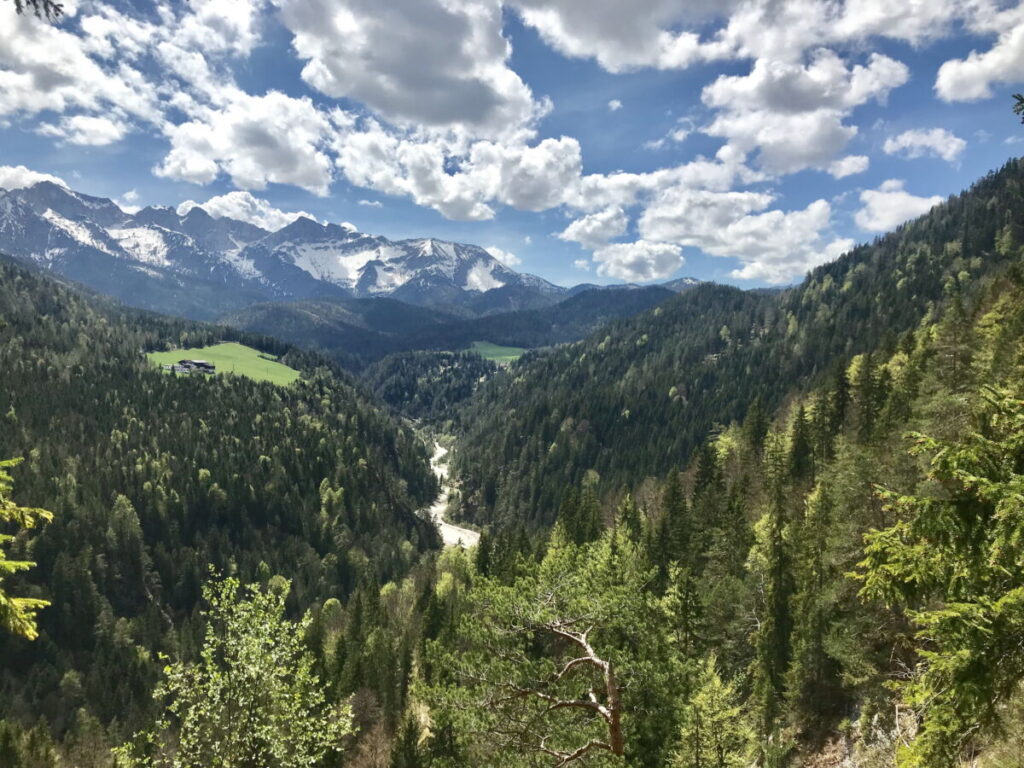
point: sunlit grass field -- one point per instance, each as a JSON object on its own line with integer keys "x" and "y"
{"x": 233, "y": 358}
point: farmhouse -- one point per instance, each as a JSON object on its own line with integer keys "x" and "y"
{"x": 194, "y": 366}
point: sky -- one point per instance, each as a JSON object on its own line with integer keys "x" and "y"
{"x": 741, "y": 141}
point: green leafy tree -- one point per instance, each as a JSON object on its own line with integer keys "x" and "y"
{"x": 17, "y": 614}
{"x": 713, "y": 733}
{"x": 552, "y": 668}
{"x": 955, "y": 561}
{"x": 1018, "y": 105}
{"x": 252, "y": 699}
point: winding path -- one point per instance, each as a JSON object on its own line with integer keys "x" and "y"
{"x": 452, "y": 535}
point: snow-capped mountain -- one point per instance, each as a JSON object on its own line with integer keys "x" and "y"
{"x": 202, "y": 266}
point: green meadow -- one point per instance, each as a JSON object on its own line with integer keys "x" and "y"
{"x": 496, "y": 352}
{"x": 233, "y": 358}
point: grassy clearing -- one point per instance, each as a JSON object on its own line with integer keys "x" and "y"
{"x": 497, "y": 353}
{"x": 233, "y": 358}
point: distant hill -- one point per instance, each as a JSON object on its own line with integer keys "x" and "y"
{"x": 359, "y": 331}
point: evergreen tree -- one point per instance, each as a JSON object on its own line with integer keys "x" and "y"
{"x": 955, "y": 560}
{"x": 17, "y": 614}
{"x": 712, "y": 733}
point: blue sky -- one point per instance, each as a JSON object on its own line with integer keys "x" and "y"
{"x": 743, "y": 141}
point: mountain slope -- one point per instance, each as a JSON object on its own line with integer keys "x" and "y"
{"x": 661, "y": 381}
{"x": 154, "y": 479}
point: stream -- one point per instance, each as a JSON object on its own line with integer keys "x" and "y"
{"x": 452, "y": 535}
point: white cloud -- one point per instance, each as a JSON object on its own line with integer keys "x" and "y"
{"x": 18, "y": 176}
{"x": 614, "y": 105}
{"x": 244, "y": 207}
{"x": 86, "y": 130}
{"x": 434, "y": 63}
{"x": 221, "y": 26}
{"x": 582, "y": 264}
{"x": 762, "y": 112}
{"x": 684, "y": 127}
{"x": 919, "y": 142}
{"x": 848, "y": 166}
{"x": 461, "y": 186}
{"x": 371, "y": 203}
{"x": 972, "y": 78}
{"x": 507, "y": 258}
{"x": 256, "y": 140}
{"x": 622, "y": 36}
{"x": 128, "y": 202}
{"x": 596, "y": 229}
{"x": 46, "y": 67}
{"x": 640, "y": 261}
{"x": 772, "y": 245}
{"x": 890, "y": 205}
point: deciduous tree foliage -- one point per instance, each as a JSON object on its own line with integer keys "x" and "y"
{"x": 252, "y": 698}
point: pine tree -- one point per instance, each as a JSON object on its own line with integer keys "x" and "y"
{"x": 954, "y": 560}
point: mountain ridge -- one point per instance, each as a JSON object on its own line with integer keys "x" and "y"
{"x": 202, "y": 266}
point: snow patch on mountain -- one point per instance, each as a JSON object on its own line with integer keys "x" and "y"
{"x": 326, "y": 261}
{"x": 481, "y": 278}
{"x": 146, "y": 244}
{"x": 77, "y": 231}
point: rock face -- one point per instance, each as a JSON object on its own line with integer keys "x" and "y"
{"x": 202, "y": 267}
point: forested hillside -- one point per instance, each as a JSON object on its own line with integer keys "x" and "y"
{"x": 358, "y": 332}
{"x": 153, "y": 479}
{"x": 638, "y": 397}
{"x": 428, "y": 385}
{"x": 835, "y": 585}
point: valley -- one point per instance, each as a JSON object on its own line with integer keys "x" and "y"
{"x": 515, "y": 384}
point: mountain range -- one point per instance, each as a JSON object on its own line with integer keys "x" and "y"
{"x": 202, "y": 267}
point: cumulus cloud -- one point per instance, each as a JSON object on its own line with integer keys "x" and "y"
{"x": 639, "y": 261}
{"x": 772, "y": 245}
{"x": 460, "y": 186}
{"x": 243, "y": 206}
{"x": 44, "y": 67}
{"x": 449, "y": 125}
{"x": 596, "y": 229}
{"x": 86, "y": 130}
{"x": 683, "y": 128}
{"x": 972, "y": 78}
{"x": 415, "y": 62}
{"x": 919, "y": 142}
{"x": 256, "y": 140}
{"x": 18, "y": 176}
{"x": 763, "y": 111}
{"x": 890, "y": 205}
{"x": 507, "y": 258}
{"x": 128, "y": 202}
{"x": 581, "y": 264}
{"x": 848, "y": 166}
{"x": 623, "y": 36}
